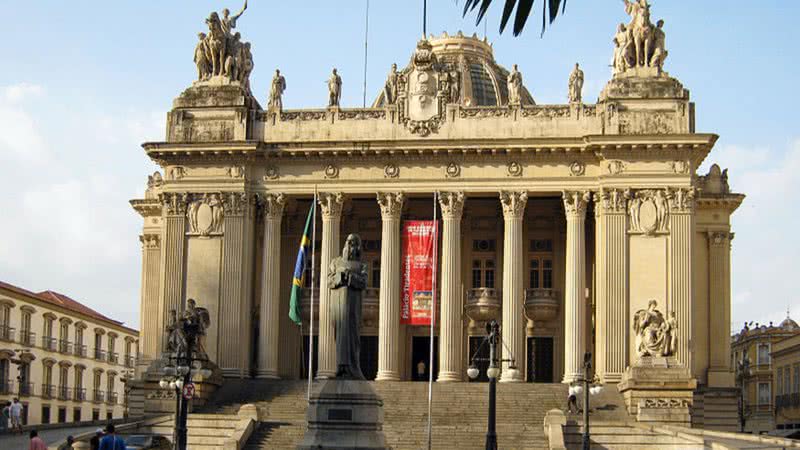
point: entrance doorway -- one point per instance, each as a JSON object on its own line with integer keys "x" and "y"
{"x": 368, "y": 356}
{"x": 420, "y": 352}
{"x": 304, "y": 356}
{"x": 540, "y": 360}
{"x": 480, "y": 353}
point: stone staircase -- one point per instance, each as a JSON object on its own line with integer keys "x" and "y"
{"x": 459, "y": 413}
{"x": 616, "y": 436}
{"x": 205, "y": 431}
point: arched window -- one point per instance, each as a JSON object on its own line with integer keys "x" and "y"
{"x": 6, "y": 332}
{"x": 27, "y": 337}
{"x": 48, "y": 390}
{"x": 97, "y": 388}
{"x": 79, "y": 392}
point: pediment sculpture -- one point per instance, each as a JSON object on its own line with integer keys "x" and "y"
{"x": 648, "y": 212}
{"x": 639, "y": 44}
{"x": 656, "y": 335}
{"x": 423, "y": 89}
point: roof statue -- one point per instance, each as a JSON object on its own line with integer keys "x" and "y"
{"x": 639, "y": 44}
{"x": 220, "y": 55}
{"x": 334, "y": 89}
{"x": 276, "y": 91}
{"x": 576, "y": 85}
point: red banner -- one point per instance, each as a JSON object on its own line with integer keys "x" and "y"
{"x": 419, "y": 252}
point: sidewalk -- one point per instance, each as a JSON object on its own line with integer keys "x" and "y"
{"x": 50, "y": 437}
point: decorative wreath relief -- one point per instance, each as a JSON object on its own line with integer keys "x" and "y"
{"x": 331, "y": 171}
{"x": 453, "y": 170}
{"x": 391, "y": 171}
{"x": 577, "y": 169}
{"x": 514, "y": 169}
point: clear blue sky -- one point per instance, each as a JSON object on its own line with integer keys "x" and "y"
{"x": 84, "y": 83}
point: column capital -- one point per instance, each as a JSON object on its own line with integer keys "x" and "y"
{"x": 575, "y": 202}
{"x": 719, "y": 238}
{"x": 234, "y": 203}
{"x": 681, "y": 200}
{"x": 391, "y": 204}
{"x": 611, "y": 201}
{"x": 513, "y": 203}
{"x": 174, "y": 203}
{"x": 331, "y": 204}
{"x": 452, "y": 204}
{"x": 272, "y": 205}
{"x": 150, "y": 241}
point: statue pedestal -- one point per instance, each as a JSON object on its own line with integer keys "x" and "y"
{"x": 344, "y": 414}
{"x": 157, "y": 400}
{"x": 658, "y": 390}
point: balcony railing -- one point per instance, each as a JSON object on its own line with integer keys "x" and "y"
{"x": 130, "y": 361}
{"x": 6, "y": 387}
{"x": 64, "y": 346}
{"x": 113, "y": 358}
{"x": 64, "y": 393}
{"x": 6, "y": 333}
{"x": 25, "y": 389}
{"x": 48, "y": 391}
{"x": 49, "y": 343}
{"x": 111, "y": 398}
{"x": 98, "y": 396}
{"x": 27, "y": 338}
{"x": 99, "y": 354}
{"x": 79, "y": 350}
{"x": 79, "y": 394}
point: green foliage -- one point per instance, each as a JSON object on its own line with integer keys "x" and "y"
{"x": 550, "y": 10}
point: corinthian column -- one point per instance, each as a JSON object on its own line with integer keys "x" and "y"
{"x": 272, "y": 208}
{"x": 389, "y": 302}
{"x": 611, "y": 257}
{"x": 575, "y": 304}
{"x": 172, "y": 259}
{"x": 513, "y": 293}
{"x": 150, "y": 327}
{"x": 720, "y": 373}
{"x": 331, "y": 205}
{"x": 450, "y": 332}
{"x": 681, "y": 224}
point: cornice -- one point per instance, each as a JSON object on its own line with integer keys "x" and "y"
{"x": 147, "y": 207}
{"x": 728, "y": 202}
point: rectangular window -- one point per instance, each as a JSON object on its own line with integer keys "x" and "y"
{"x": 76, "y": 414}
{"x": 375, "y": 269}
{"x": 547, "y": 274}
{"x": 483, "y": 273}
{"x": 95, "y": 415}
{"x": 764, "y": 394}
{"x": 787, "y": 380}
{"x": 45, "y": 413}
{"x": 796, "y": 384}
{"x": 535, "y": 273}
{"x": 5, "y": 315}
{"x": 489, "y": 273}
{"x": 26, "y": 323}
{"x": 476, "y": 274}
{"x": 48, "y": 328}
{"x": 763, "y": 354}
{"x": 109, "y": 415}
{"x": 62, "y": 414}
{"x": 780, "y": 381}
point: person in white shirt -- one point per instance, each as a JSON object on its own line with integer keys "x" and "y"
{"x": 16, "y": 415}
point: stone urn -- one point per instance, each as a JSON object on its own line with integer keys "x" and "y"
{"x": 369, "y": 307}
{"x": 541, "y": 305}
{"x": 482, "y": 304}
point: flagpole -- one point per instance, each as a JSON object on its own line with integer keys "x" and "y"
{"x": 434, "y": 304}
{"x": 313, "y": 279}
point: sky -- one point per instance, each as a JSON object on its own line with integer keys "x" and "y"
{"x": 83, "y": 84}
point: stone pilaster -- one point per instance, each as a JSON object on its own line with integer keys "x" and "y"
{"x": 681, "y": 224}
{"x": 513, "y": 283}
{"x": 151, "y": 269}
{"x": 720, "y": 372}
{"x": 268, "y": 329}
{"x": 235, "y": 306}
{"x": 331, "y": 205}
{"x": 611, "y": 266}
{"x": 450, "y": 324}
{"x": 575, "y": 204}
{"x": 173, "y": 255}
{"x": 389, "y": 344}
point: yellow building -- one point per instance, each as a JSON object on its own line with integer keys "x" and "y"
{"x": 63, "y": 360}
{"x": 754, "y": 344}
{"x": 786, "y": 372}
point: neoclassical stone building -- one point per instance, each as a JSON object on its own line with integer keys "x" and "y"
{"x": 561, "y": 221}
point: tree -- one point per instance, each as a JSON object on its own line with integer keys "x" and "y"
{"x": 550, "y": 10}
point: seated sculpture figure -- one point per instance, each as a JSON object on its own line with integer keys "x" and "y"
{"x": 655, "y": 335}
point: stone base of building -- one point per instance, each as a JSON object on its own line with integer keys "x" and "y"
{"x": 158, "y": 400}
{"x": 344, "y": 414}
{"x": 658, "y": 390}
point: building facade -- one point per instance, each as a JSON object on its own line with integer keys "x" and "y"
{"x": 752, "y": 354}
{"x": 786, "y": 363}
{"x": 64, "y": 361}
{"x": 564, "y": 222}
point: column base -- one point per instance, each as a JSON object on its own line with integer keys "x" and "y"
{"x": 387, "y": 376}
{"x": 572, "y": 378}
{"x": 611, "y": 378}
{"x": 449, "y": 377}
{"x": 507, "y": 379}
{"x": 325, "y": 375}
{"x": 267, "y": 375}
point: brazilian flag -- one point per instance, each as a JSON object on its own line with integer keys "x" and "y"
{"x": 299, "y": 268}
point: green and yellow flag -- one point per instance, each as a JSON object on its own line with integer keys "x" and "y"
{"x": 300, "y": 268}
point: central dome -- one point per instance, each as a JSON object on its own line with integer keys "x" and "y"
{"x": 483, "y": 81}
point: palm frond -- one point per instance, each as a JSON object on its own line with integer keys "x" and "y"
{"x": 550, "y": 11}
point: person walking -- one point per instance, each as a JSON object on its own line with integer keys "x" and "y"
{"x": 111, "y": 441}
{"x": 4, "y": 416}
{"x": 16, "y": 415}
{"x": 36, "y": 442}
{"x": 94, "y": 442}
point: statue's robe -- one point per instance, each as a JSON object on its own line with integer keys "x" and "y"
{"x": 347, "y": 280}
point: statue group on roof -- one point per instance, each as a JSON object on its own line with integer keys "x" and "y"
{"x": 639, "y": 43}
{"x": 222, "y": 53}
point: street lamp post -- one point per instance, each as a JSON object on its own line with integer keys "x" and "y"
{"x": 492, "y": 338}
{"x": 743, "y": 371}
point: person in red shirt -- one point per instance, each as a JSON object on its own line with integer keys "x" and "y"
{"x": 36, "y": 442}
